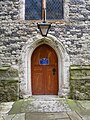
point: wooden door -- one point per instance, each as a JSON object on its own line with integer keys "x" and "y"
{"x": 44, "y": 71}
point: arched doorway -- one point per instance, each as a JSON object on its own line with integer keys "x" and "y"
{"x": 44, "y": 71}
{"x": 25, "y": 66}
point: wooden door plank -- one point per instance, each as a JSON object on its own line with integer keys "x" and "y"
{"x": 37, "y": 81}
{"x": 44, "y": 81}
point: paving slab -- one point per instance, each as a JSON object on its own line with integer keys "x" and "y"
{"x": 85, "y": 104}
{"x": 44, "y": 116}
{"x": 47, "y": 116}
{"x": 5, "y": 107}
{"x": 1, "y": 118}
{"x": 74, "y": 116}
{"x": 15, "y": 117}
{"x": 61, "y": 115}
{"x": 62, "y": 119}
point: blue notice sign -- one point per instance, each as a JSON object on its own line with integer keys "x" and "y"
{"x": 44, "y": 61}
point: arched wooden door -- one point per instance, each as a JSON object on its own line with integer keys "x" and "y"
{"x": 44, "y": 71}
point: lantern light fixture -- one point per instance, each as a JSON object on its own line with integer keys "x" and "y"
{"x": 44, "y": 26}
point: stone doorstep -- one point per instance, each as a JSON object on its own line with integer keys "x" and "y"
{"x": 41, "y": 104}
{"x": 45, "y": 105}
{"x": 44, "y": 97}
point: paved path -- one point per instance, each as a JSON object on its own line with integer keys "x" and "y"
{"x": 43, "y": 116}
{"x": 44, "y": 108}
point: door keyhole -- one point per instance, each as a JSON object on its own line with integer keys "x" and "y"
{"x": 53, "y": 71}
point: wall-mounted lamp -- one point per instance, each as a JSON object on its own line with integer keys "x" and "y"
{"x": 44, "y": 26}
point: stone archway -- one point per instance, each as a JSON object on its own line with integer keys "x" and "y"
{"x": 63, "y": 64}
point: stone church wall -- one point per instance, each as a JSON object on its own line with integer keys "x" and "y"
{"x": 73, "y": 32}
{"x": 9, "y": 84}
{"x": 80, "y": 82}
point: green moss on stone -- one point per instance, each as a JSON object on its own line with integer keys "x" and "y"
{"x": 9, "y": 84}
{"x": 21, "y": 106}
{"x": 77, "y": 67}
{"x": 16, "y": 107}
{"x": 4, "y": 68}
{"x": 79, "y": 81}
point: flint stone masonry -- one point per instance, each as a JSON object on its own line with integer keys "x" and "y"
{"x": 73, "y": 33}
{"x": 9, "y": 84}
{"x": 80, "y": 82}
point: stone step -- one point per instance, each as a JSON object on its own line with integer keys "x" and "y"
{"x": 41, "y": 104}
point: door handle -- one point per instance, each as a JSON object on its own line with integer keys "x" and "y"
{"x": 53, "y": 71}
